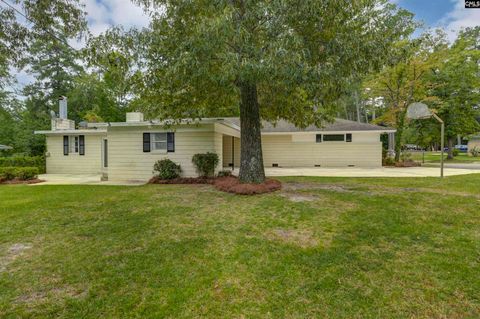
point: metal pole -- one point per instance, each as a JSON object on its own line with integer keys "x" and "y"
{"x": 443, "y": 145}
{"x": 442, "y": 141}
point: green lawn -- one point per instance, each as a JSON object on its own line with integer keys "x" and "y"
{"x": 434, "y": 157}
{"x": 321, "y": 248}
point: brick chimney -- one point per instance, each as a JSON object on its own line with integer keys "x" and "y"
{"x": 62, "y": 122}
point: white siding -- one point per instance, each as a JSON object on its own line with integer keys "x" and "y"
{"x": 365, "y": 150}
{"x": 90, "y": 163}
{"x": 227, "y": 150}
{"x": 301, "y": 150}
{"x": 127, "y": 161}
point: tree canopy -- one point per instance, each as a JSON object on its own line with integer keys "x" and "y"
{"x": 286, "y": 59}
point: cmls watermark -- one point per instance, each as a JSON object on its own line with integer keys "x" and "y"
{"x": 472, "y": 4}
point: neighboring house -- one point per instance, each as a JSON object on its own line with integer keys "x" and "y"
{"x": 5, "y": 147}
{"x": 473, "y": 142}
{"x": 128, "y": 150}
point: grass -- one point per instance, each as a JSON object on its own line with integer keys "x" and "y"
{"x": 322, "y": 247}
{"x": 434, "y": 157}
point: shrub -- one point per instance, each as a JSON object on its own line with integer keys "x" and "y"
{"x": 167, "y": 169}
{"x": 389, "y": 161}
{"x": 455, "y": 152}
{"x": 7, "y": 173}
{"x": 205, "y": 163}
{"x": 24, "y": 161}
{"x": 406, "y": 156}
{"x": 26, "y": 173}
{"x": 21, "y": 173}
{"x": 475, "y": 151}
{"x": 224, "y": 173}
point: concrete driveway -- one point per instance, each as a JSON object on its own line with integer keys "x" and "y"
{"x": 368, "y": 172}
{"x": 93, "y": 179}
{"x": 80, "y": 179}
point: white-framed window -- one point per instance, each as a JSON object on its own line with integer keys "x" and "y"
{"x": 159, "y": 141}
{"x": 74, "y": 144}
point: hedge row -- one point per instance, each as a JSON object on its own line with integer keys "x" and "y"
{"x": 24, "y": 161}
{"x": 21, "y": 173}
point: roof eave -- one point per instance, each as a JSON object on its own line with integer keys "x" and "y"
{"x": 63, "y": 132}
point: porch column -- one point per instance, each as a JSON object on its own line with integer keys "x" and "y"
{"x": 391, "y": 144}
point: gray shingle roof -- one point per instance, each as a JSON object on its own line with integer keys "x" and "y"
{"x": 337, "y": 125}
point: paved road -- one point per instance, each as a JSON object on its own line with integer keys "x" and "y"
{"x": 472, "y": 166}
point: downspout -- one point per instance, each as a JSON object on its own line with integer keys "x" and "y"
{"x": 233, "y": 153}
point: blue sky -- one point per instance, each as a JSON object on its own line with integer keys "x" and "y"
{"x": 448, "y": 14}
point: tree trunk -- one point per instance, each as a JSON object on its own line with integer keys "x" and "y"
{"x": 398, "y": 138}
{"x": 251, "y": 158}
{"x": 357, "y": 105}
{"x": 450, "y": 146}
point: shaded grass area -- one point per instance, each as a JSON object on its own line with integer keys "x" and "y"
{"x": 322, "y": 247}
{"x": 434, "y": 157}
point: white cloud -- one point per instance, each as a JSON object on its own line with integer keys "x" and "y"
{"x": 459, "y": 18}
{"x": 102, "y": 14}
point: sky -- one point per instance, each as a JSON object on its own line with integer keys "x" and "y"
{"x": 449, "y": 14}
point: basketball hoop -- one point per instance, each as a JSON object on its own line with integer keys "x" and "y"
{"x": 418, "y": 111}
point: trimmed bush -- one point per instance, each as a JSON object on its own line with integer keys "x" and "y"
{"x": 7, "y": 173}
{"x": 224, "y": 173}
{"x": 205, "y": 163}
{"x": 475, "y": 151}
{"x": 166, "y": 169}
{"x": 455, "y": 152}
{"x": 24, "y": 161}
{"x": 27, "y": 173}
{"x": 20, "y": 173}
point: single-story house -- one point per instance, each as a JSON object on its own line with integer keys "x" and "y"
{"x": 128, "y": 150}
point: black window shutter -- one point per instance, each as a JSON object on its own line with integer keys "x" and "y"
{"x": 65, "y": 145}
{"x": 81, "y": 144}
{"x": 349, "y": 137}
{"x": 146, "y": 142}
{"x": 319, "y": 138}
{"x": 170, "y": 142}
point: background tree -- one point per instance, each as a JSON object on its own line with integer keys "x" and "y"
{"x": 272, "y": 59}
{"x": 455, "y": 85}
{"x": 403, "y": 81}
{"x": 32, "y": 36}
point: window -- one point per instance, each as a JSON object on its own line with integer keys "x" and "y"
{"x": 333, "y": 137}
{"x": 319, "y": 138}
{"x": 159, "y": 141}
{"x": 348, "y": 138}
{"x": 74, "y": 143}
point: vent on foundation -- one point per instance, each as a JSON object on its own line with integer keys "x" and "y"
{"x": 318, "y": 165}
{"x": 351, "y": 165}
{"x": 274, "y": 165}
{"x": 230, "y": 164}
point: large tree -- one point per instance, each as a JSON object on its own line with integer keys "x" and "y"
{"x": 455, "y": 85}
{"x": 286, "y": 59}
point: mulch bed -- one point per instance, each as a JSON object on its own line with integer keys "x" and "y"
{"x": 19, "y": 181}
{"x": 229, "y": 184}
{"x": 182, "y": 180}
{"x": 407, "y": 164}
